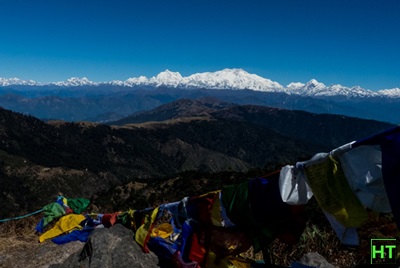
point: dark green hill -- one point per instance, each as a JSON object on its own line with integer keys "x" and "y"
{"x": 324, "y": 130}
{"x": 327, "y": 131}
{"x": 176, "y": 109}
{"x": 38, "y": 159}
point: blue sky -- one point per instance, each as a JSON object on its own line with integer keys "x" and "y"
{"x": 334, "y": 41}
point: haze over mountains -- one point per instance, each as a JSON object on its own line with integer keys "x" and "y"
{"x": 79, "y": 99}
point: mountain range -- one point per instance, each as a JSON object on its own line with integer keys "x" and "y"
{"x": 224, "y": 79}
{"x": 79, "y": 99}
{"x": 39, "y": 159}
{"x": 163, "y": 138}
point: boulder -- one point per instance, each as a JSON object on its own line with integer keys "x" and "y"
{"x": 112, "y": 247}
{"x": 314, "y": 259}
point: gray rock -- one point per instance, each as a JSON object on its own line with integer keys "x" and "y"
{"x": 113, "y": 247}
{"x": 314, "y": 259}
{"x": 28, "y": 253}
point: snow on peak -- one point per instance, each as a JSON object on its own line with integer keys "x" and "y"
{"x": 393, "y": 92}
{"x": 314, "y": 84}
{"x": 16, "y": 81}
{"x": 224, "y": 79}
{"x": 136, "y": 81}
{"x": 295, "y": 85}
{"x": 311, "y": 88}
{"x": 231, "y": 79}
{"x": 316, "y": 89}
{"x": 75, "y": 81}
{"x": 234, "y": 78}
{"x": 233, "y": 71}
{"x": 167, "y": 78}
{"x": 167, "y": 74}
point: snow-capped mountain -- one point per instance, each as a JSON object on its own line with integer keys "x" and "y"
{"x": 295, "y": 86}
{"x": 75, "y": 81}
{"x": 78, "y": 99}
{"x": 234, "y": 79}
{"x": 394, "y": 92}
{"x": 313, "y": 88}
{"x": 167, "y": 78}
{"x": 16, "y": 81}
{"x": 224, "y": 79}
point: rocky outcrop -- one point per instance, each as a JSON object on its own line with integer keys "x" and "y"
{"x": 314, "y": 259}
{"x": 113, "y": 247}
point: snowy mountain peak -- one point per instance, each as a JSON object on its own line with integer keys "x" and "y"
{"x": 234, "y": 79}
{"x": 295, "y": 85}
{"x": 167, "y": 74}
{"x": 233, "y": 71}
{"x": 16, "y": 81}
{"x": 314, "y": 88}
{"x": 311, "y": 88}
{"x": 78, "y": 80}
{"x": 393, "y": 92}
{"x": 136, "y": 81}
{"x": 224, "y": 79}
{"x": 314, "y": 84}
{"x": 167, "y": 78}
{"x": 75, "y": 81}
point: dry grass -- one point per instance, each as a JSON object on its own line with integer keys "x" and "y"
{"x": 18, "y": 234}
{"x": 314, "y": 239}
{"x": 318, "y": 237}
{"x": 19, "y": 246}
{"x": 23, "y": 227}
